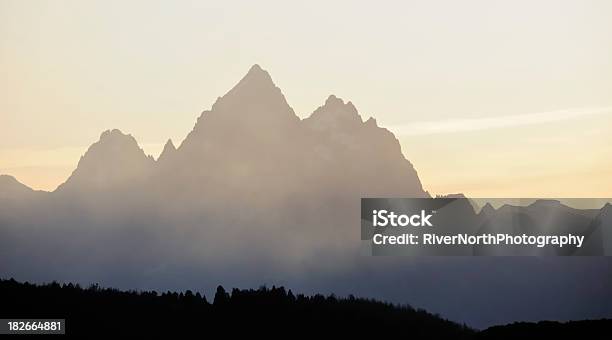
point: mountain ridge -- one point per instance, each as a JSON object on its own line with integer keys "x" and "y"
{"x": 252, "y": 131}
{"x": 254, "y": 194}
{"x": 253, "y": 114}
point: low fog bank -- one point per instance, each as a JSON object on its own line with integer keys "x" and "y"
{"x": 480, "y": 291}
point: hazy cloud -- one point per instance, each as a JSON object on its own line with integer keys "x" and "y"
{"x": 508, "y": 121}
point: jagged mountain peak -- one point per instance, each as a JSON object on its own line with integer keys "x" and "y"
{"x": 169, "y": 149}
{"x": 487, "y": 209}
{"x": 114, "y": 157}
{"x": 256, "y": 90}
{"x": 113, "y": 142}
{"x": 337, "y": 105}
{"x": 169, "y": 144}
{"x": 256, "y": 79}
{"x": 254, "y": 110}
{"x": 334, "y": 101}
{"x": 115, "y": 134}
{"x": 254, "y": 103}
{"x": 371, "y": 122}
{"x": 258, "y": 73}
{"x": 336, "y": 115}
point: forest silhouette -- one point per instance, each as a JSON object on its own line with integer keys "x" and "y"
{"x": 105, "y": 311}
{"x": 101, "y": 312}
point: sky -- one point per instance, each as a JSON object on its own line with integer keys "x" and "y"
{"x": 488, "y": 98}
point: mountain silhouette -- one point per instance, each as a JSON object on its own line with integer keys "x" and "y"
{"x": 167, "y": 153}
{"x": 12, "y": 189}
{"x": 251, "y": 143}
{"x": 252, "y": 139}
{"x": 255, "y": 194}
{"x": 114, "y": 161}
{"x": 251, "y": 183}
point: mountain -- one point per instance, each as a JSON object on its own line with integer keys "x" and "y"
{"x": 254, "y": 195}
{"x": 113, "y": 162}
{"x": 13, "y": 196}
{"x": 167, "y": 153}
{"x": 252, "y": 142}
{"x": 487, "y": 210}
{"x": 250, "y": 172}
{"x": 601, "y": 227}
{"x": 12, "y": 189}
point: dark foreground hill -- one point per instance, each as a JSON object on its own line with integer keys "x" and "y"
{"x": 96, "y": 311}
{"x": 584, "y": 329}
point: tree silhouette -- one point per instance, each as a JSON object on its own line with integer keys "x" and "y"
{"x": 104, "y": 312}
{"x": 221, "y": 297}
